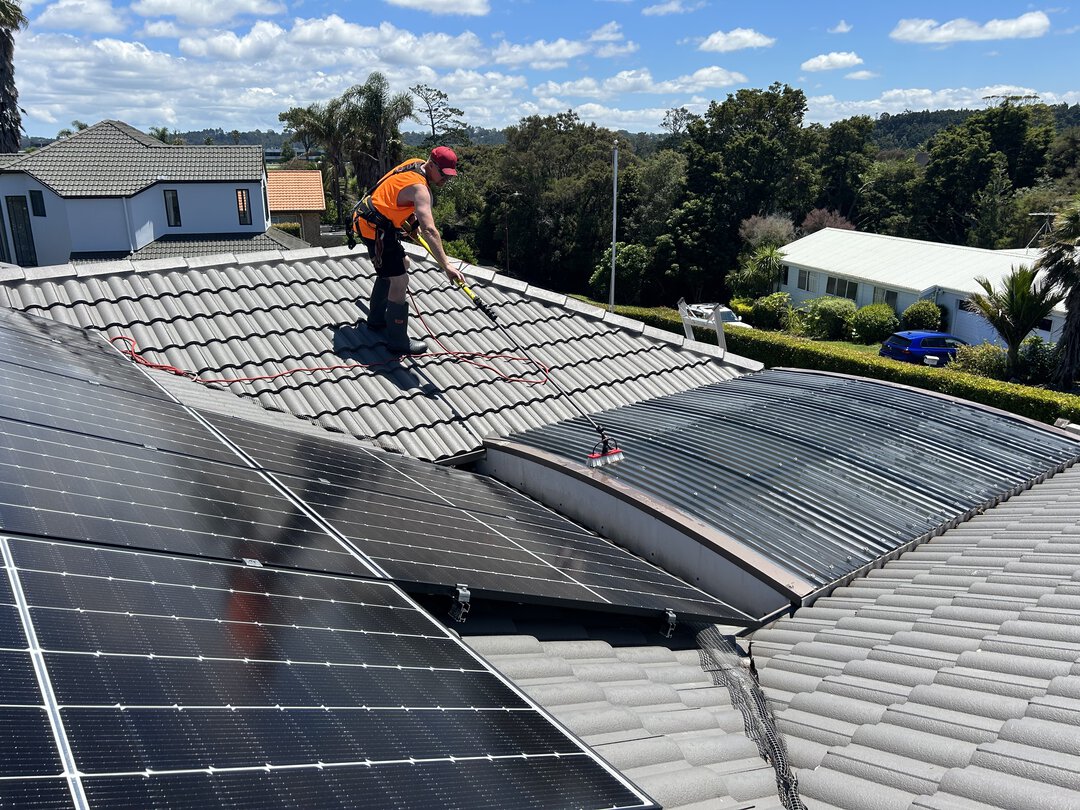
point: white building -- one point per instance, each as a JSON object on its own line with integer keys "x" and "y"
{"x": 870, "y": 268}
{"x": 110, "y": 191}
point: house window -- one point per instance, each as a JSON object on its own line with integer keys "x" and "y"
{"x": 172, "y": 207}
{"x": 806, "y": 280}
{"x": 243, "y": 206}
{"x": 883, "y": 296}
{"x": 37, "y": 203}
{"x": 1046, "y": 325}
{"x": 841, "y": 287}
{"x": 266, "y": 204}
{"x": 966, "y": 306}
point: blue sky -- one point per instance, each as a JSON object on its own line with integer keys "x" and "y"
{"x": 191, "y": 64}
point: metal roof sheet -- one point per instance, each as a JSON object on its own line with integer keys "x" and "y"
{"x": 261, "y": 315}
{"x": 907, "y": 264}
{"x": 112, "y": 159}
{"x": 822, "y": 474}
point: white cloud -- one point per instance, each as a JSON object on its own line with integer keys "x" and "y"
{"x": 736, "y": 40}
{"x": 841, "y": 27}
{"x": 206, "y": 12}
{"x": 612, "y": 49}
{"x": 1026, "y": 26}
{"x": 860, "y": 75}
{"x": 475, "y": 8}
{"x": 608, "y": 32}
{"x": 832, "y": 61}
{"x": 640, "y": 81}
{"x": 260, "y": 42}
{"x": 540, "y": 55}
{"x": 671, "y": 7}
{"x": 160, "y": 29}
{"x": 91, "y": 16}
{"x": 332, "y": 30}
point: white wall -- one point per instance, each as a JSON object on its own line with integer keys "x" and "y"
{"x": 204, "y": 208}
{"x": 98, "y": 224}
{"x": 51, "y": 240}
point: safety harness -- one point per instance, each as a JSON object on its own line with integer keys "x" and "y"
{"x": 365, "y": 209}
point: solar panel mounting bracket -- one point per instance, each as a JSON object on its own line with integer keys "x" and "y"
{"x": 672, "y": 620}
{"x": 460, "y": 607}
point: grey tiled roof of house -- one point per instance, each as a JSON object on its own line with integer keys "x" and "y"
{"x": 950, "y": 678}
{"x": 200, "y": 244}
{"x": 648, "y": 709}
{"x": 265, "y": 314}
{"x": 112, "y": 159}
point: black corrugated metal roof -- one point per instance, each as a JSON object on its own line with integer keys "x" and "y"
{"x": 821, "y": 473}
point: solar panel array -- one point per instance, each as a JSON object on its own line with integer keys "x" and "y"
{"x": 182, "y": 628}
{"x": 173, "y": 682}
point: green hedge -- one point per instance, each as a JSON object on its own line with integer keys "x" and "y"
{"x": 774, "y": 349}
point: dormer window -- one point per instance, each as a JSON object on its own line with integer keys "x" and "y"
{"x": 172, "y": 207}
{"x": 243, "y": 206}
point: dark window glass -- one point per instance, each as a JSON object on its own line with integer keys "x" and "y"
{"x": 172, "y": 207}
{"x": 1046, "y": 324}
{"x": 37, "y": 203}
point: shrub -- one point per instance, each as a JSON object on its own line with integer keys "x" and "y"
{"x": 291, "y": 228}
{"x": 1038, "y": 359}
{"x": 984, "y": 360}
{"x": 772, "y": 311}
{"x": 828, "y": 317}
{"x": 743, "y": 307}
{"x": 460, "y": 249}
{"x": 774, "y": 229}
{"x": 924, "y": 314}
{"x": 874, "y": 322}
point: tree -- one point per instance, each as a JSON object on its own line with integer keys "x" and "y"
{"x": 76, "y": 126}
{"x": 373, "y": 118}
{"x": 165, "y": 136}
{"x": 298, "y": 127}
{"x": 235, "y": 135}
{"x": 1061, "y": 261}
{"x": 821, "y": 218}
{"x": 774, "y": 230}
{"x": 1015, "y": 308}
{"x": 11, "y": 18}
{"x": 444, "y": 121}
{"x": 631, "y": 264}
{"x": 845, "y": 160}
{"x": 759, "y": 273}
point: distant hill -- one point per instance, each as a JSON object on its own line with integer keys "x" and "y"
{"x": 910, "y": 130}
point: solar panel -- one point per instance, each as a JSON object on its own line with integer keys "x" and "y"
{"x": 41, "y": 344}
{"x": 58, "y": 484}
{"x": 80, "y": 406}
{"x": 188, "y": 683}
{"x": 428, "y": 525}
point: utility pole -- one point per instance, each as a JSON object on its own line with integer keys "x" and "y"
{"x": 614, "y": 218}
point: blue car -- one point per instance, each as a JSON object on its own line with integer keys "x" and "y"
{"x": 916, "y": 346}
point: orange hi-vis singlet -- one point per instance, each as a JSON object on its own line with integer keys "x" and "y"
{"x": 385, "y": 196}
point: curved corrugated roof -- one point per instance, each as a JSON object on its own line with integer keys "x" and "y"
{"x": 820, "y": 473}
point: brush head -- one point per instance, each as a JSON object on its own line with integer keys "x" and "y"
{"x": 604, "y": 453}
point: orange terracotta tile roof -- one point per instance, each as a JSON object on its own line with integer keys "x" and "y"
{"x": 295, "y": 190}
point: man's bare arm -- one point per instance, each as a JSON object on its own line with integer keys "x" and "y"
{"x": 420, "y": 196}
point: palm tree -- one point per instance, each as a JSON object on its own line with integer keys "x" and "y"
{"x": 759, "y": 273}
{"x": 11, "y": 18}
{"x": 1015, "y": 308}
{"x": 1061, "y": 261}
{"x": 329, "y": 125}
{"x": 375, "y": 117}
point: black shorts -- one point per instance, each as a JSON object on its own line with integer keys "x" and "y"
{"x": 387, "y": 253}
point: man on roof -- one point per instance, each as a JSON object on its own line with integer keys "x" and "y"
{"x": 401, "y": 201}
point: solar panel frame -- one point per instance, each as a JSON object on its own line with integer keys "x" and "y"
{"x": 206, "y": 726}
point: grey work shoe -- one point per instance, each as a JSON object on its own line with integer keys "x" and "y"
{"x": 397, "y": 331}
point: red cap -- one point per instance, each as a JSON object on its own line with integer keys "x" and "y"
{"x": 445, "y": 159}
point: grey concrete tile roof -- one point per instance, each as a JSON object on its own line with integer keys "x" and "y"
{"x": 230, "y": 317}
{"x": 964, "y": 691}
{"x": 199, "y": 244}
{"x": 112, "y": 159}
{"x": 649, "y": 710}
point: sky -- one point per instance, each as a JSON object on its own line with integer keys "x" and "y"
{"x": 235, "y": 64}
